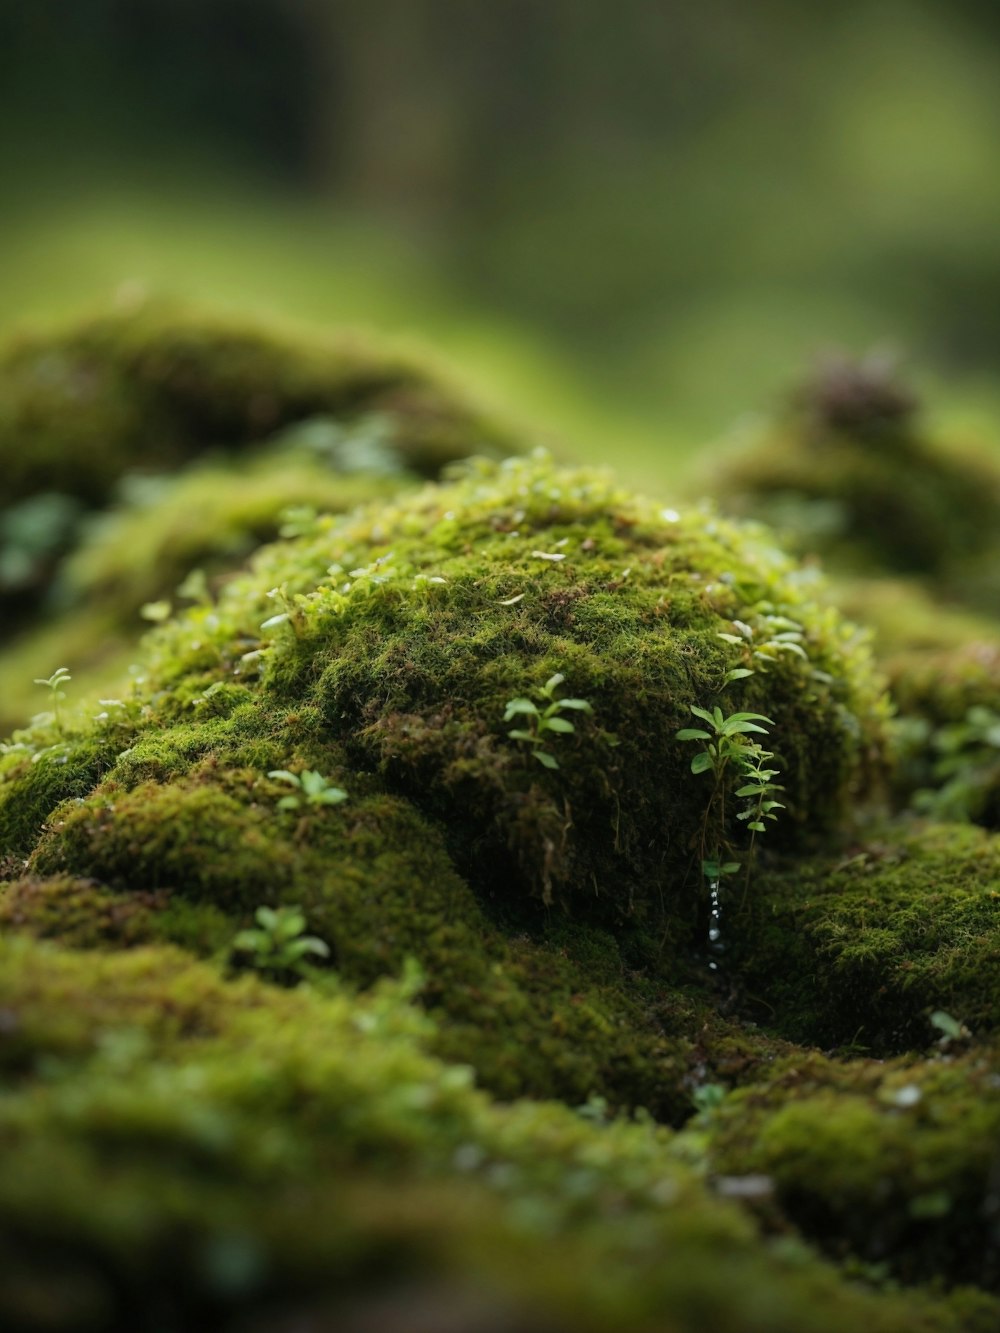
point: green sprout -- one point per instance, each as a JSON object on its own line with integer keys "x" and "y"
{"x": 311, "y": 789}
{"x": 278, "y": 944}
{"x": 730, "y": 752}
{"x": 54, "y": 684}
{"x": 541, "y": 721}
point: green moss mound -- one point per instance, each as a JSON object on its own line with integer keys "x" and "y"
{"x": 852, "y": 473}
{"x": 860, "y": 949}
{"x": 403, "y": 633}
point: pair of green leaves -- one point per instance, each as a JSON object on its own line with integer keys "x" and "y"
{"x": 312, "y": 788}
{"x": 278, "y": 944}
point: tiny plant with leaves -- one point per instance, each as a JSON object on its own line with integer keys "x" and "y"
{"x": 54, "y": 684}
{"x": 278, "y": 945}
{"x": 734, "y": 758}
{"x": 311, "y": 789}
{"x": 542, "y": 720}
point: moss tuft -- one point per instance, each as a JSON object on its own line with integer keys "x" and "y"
{"x": 859, "y": 950}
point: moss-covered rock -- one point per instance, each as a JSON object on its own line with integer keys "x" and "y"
{"x": 860, "y": 949}
{"x": 851, "y": 472}
{"x": 403, "y": 633}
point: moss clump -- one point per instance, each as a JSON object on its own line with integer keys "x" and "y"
{"x": 852, "y": 473}
{"x": 892, "y": 1164}
{"x": 228, "y": 1150}
{"x": 860, "y": 949}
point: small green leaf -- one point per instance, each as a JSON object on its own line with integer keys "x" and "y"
{"x": 701, "y": 762}
{"x": 546, "y": 759}
{"x": 947, "y": 1025}
{"x": 558, "y": 724}
{"x": 692, "y": 734}
{"x": 516, "y": 707}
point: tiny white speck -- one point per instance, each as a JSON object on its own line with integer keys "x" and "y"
{"x": 671, "y": 515}
{"x": 909, "y": 1095}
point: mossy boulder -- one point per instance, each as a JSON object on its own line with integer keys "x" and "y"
{"x": 390, "y": 677}
{"x": 258, "y": 1152}
{"x": 400, "y": 636}
{"x": 851, "y": 472}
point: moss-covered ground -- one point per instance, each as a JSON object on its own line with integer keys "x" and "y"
{"x": 379, "y": 956}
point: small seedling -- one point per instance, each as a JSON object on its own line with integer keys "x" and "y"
{"x": 278, "y": 944}
{"x": 951, "y": 1029}
{"x": 729, "y": 747}
{"x": 542, "y": 720}
{"x": 54, "y": 684}
{"x": 311, "y": 789}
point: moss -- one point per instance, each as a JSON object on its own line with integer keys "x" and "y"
{"x": 138, "y": 445}
{"x": 893, "y": 1164}
{"x": 862, "y": 948}
{"x": 34, "y": 780}
{"x": 81, "y": 913}
{"x": 867, "y": 486}
{"x": 448, "y": 607}
{"x": 536, "y": 1006}
{"x": 554, "y": 913}
{"x": 157, "y": 384}
{"x": 223, "y": 1127}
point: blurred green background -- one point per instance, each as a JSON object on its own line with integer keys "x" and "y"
{"x": 631, "y": 223}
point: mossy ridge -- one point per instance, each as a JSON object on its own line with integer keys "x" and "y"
{"x": 866, "y": 486}
{"x": 893, "y": 1164}
{"x": 222, "y": 1126}
{"x": 859, "y": 950}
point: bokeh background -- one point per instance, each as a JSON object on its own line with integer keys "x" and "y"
{"x": 634, "y": 223}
